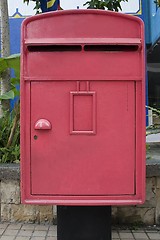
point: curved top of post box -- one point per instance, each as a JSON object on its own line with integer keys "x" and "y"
{"x": 71, "y": 24}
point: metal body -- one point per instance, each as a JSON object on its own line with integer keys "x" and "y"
{"x": 83, "y": 73}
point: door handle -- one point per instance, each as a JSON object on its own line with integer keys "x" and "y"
{"x": 42, "y": 124}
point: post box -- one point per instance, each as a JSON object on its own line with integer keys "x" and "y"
{"x": 83, "y": 109}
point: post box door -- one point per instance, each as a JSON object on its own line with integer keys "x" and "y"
{"x": 83, "y": 138}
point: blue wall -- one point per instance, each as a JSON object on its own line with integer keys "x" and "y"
{"x": 152, "y": 21}
{"x": 15, "y": 26}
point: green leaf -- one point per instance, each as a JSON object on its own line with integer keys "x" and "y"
{"x": 13, "y": 61}
{"x": 3, "y": 65}
{"x": 7, "y": 95}
{"x": 16, "y": 92}
{"x": 15, "y": 81}
{"x": 113, "y": 5}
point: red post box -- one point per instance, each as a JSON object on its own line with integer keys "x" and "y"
{"x": 82, "y": 109}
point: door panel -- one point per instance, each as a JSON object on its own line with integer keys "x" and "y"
{"x": 97, "y": 157}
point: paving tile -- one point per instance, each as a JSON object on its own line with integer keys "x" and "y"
{"x": 51, "y": 238}
{"x": 14, "y": 226}
{"x": 1, "y": 231}
{"x": 23, "y": 238}
{"x": 53, "y": 227}
{"x": 42, "y": 227}
{"x": 126, "y": 235}
{"x": 115, "y": 235}
{"x": 141, "y": 238}
{"x": 3, "y": 225}
{"x": 154, "y": 236}
{"x": 49, "y": 232}
{"x": 140, "y": 235}
{"x": 7, "y": 238}
{"x": 10, "y": 232}
{"x": 39, "y": 233}
{"x": 24, "y": 233}
{"x": 28, "y": 226}
{"x": 52, "y": 234}
{"x": 38, "y": 238}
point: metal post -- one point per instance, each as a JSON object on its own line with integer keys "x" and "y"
{"x": 83, "y": 223}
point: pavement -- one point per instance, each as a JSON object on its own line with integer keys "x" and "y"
{"x": 153, "y": 152}
{"x": 21, "y": 231}
{"x": 153, "y": 138}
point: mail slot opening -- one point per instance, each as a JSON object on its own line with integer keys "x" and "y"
{"x": 109, "y": 48}
{"x": 55, "y": 48}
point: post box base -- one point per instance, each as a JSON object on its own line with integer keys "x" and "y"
{"x": 83, "y": 223}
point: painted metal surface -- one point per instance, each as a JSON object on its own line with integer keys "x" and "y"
{"x": 90, "y": 86}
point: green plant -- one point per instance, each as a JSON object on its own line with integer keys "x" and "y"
{"x": 12, "y": 62}
{"x": 9, "y": 122}
{"x": 113, "y": 5}
{"x": 37, "y": 4}
{"x": 10, "y": 136}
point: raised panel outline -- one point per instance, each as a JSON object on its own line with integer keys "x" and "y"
{"x": 82, "y": 93}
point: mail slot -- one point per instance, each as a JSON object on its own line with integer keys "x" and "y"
{"x": 82, "y": 109}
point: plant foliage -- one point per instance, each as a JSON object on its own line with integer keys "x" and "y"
{"x": 113, "y": 5}
{"x": 9, "y": 122}
{"x": 9, "y": 150}
{"x": 37, "y": 4}
{"x": 12, "y": 62}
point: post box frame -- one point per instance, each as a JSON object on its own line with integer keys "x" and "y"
{"x": 26, "y": 80}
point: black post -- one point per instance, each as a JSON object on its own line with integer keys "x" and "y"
{"x": 83, "y": 223}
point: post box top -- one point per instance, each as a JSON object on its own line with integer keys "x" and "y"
{"x": 83, "y": 39}
{"x": 69, "y": 25}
